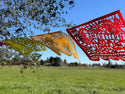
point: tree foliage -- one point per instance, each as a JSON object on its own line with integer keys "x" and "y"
{"x": 55, "y": 61}
{"x": 8, "y": 55}
{"x": 18, "y": 17}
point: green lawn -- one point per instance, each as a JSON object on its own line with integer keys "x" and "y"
{"x": 61, "y": 80}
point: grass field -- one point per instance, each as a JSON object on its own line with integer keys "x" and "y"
{"x": 61, "y": 80}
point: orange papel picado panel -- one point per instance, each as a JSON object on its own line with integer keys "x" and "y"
{"x": 57, "y": 42}
{"x": 24, "y": 45}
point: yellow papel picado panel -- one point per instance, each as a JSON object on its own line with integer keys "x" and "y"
{"x": 24, "y": 45}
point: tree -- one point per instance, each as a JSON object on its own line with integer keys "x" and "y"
{"x": 64, "y": 63}
{"x": 17, "y": 17}
{"x": 42, "y": 62}
{"x": 51, "y": 59}
{"x": 109, "y": 64}
{"x": 55, "y": 61}
{"x": 74, "y": 64}
{"x": 96, "y": 65}
{"x": 8, "y": 55}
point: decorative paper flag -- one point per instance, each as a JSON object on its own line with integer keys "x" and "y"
{"x": 102, "y": 37}
{"x": 1, "y": 44}
{"x": 57, "y": 42}
{"x": 24, "y": 45}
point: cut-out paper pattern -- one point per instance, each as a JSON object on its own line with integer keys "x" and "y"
{"x": 24, "y": 45}
{"x": 102, "y": 37}
{"x": 1, "y": 44}
{"x": 57, "y": 42}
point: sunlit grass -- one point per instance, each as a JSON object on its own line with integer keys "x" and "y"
{"x": 61, "y": 80}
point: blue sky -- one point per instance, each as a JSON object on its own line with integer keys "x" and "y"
{"x": 86, "y": 10}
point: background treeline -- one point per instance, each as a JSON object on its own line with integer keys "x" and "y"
{"x": 56, "y": 61}
{"x": 10, "y": 57}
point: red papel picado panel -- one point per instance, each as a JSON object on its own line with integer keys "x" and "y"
{"x": 101, "y": 38}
